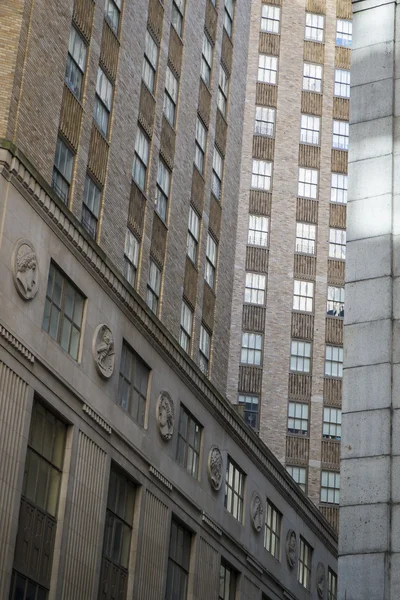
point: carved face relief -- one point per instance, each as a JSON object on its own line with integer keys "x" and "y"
{"x": 25, "y": 269}
{"x": 257, "y": 512}
{"x": 291, "y": 548}
{"x": 165, "y": 413}
{"x": 103, "y": 350}
{"x": 215, "y": 464}
{"x": 321, "y": 580}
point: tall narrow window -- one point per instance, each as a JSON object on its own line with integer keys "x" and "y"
{"x": 267, "y": 69}
{"x": 314, "y": 28}
{"x": 251, "y": 408}
{"x": 298, "y": 418}
{"x": 133, "y": 384}
{"x": 299, "y": 474}
{"x": 339, "y": 188}
{"x": 39, "y": 506}
{"x": 270, "y": 18}
{"x": 340, "y": 139}
{"x": 216, "y": 182}
{"x": 330, "y": 487}
{"x": 113, "y": 14}
{"x": 334, "y": 361}
{"x": 141, "y": 159}
{"x": 309, "y": 130}
{"x": 76, "y": 63}
{"x": 62, "y": 170}
{"x": 300, "y": 357}
{"x": 103, "y": 101}
{"x": 211, "y": 261}
{"x": 162, "y": 189}
{"x": 303, "y": 295}
{"x": 234, "y": 490}
{"x": 261, "y": 175}
{"x": 332, "y": 425}
{"x": 117, "y": 535}
{"x": 223, "y": 85}
{"x": 332, "y": 585}
{"x": 153, "y": 287}
{"x": 342, "y": 83}
{"x": 63, "y": 311}
{"x": 178, "y": 10}
{"x": 273, "y": 525}
{"x": 305, "y": 238}
{"x": 200, "y": 150}
{"x": 308, "y": 183}
{"x": 312, "y": 77}
{"x": 178, "y": 562}
{"x": 227, "y": 582}
{"x": 337, "y": 243}
{"x": 335, "y": 303}
{"x": 131, "y": 257}
{"x": 186, "y": 327}
{"x": 228, "y": 16}
{"x": 264, "y": 121}
{"x": 255, "y": 288}
{"x": 344, "y": 32}
{"x": 91, "y": 206}
{"x": 170, "y": 96}
{"x": 304, "y": 564}
{"x": 189, "y": 438}
{"x": 251, "y": 352}
{"x": 206, "y": 60}
{"x": 150, "y": 62}
{"x": 193, "y": 235}
{"x": 204, "y": 350}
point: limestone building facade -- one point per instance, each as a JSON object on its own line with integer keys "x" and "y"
{"x": 286, "y": 357}
{"x": 124, "y": 470}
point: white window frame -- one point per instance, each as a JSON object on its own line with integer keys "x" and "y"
{"x": 206, "y": 60}
{"x": 333, "y": 361}
{"x": 150, "y": 62}
{"x": 251, "y": 407}
{"x": 234, "y": 490}
{"x": 332, "y": 585}
{"x": 344, "y": 33}
{"x": 342, "y": 83}
{"x": 267, "y": 69}
{"x": 170, "y": 97}
{"x": 141, "y": 159}
{"x": 113, "y": 14}
{"x": 270, "y": 18}
{"x": 339, "y": 188}
{"x": 255, "y": 288}
{"x": 312, "y": 77}
{"x": 193, "y": 235}
{"x": 185, "y": 337}
{"x": 162, "y": 190}
{"x": 298, "y": 418}
{"x": 337, "y": 243}
{"x": 217, "y": 173}
{"x": 131, "y": 257}
{"x": 300, "y": 356}
{"x": 204, "y": 350}
{"x": 211, "y": 261}
{"x": 91, "y": 206}
{"x": 261, "y": 174}
{"x": 310, "y": 127}
{"x": 200, "y": 145}
{"x": 335, "y": 301}
{"x": 304, "y": 564}
{"x": 251, "y": 349}
{"x": 299, "y": 474}
{"x": 332, "y": 423}
{"x": 330, "y": 487}
{"x": 223, "y": 91}
{"x": 178, "y": 13}
{"x": 258, "y": 230}
{"x": 229, "y": 14}
{"x": 154, "y": 286}
{"x": 308, "y": 183}
{"x": 76, "y": 62}
{"x": 303, "y": 295}
{"x": 306, "y": 234}
{"x": 103, "y": 101}
{"x": 314, "y": 29}
{"x": 340, "y": 135}
{"x": 264, "y": 123}
{"x": 63, "y": 168}
{"x": 273, "y": 530}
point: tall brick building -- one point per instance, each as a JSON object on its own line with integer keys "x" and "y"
{"x": 286, "y": 355}
{"x": 125, "y": 472}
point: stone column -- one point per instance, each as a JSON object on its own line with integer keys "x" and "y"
{"x": 369, "y": 540}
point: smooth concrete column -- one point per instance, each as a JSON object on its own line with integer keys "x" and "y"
{"x": 367, "y": 517}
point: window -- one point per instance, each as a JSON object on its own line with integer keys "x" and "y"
{"x": 228, "y": 16}
{"x": 170, "y": 96}
{"x": 178, "y": 562}
{"x": 205, "y": 349}
{"x": 332, "y": 425}
{"x": 308, "y": 183}
{"x": 117, "y": 534}
{"x": 250, "y": 404}
{"x": 261, "y": 175}
{"x": 178, "y": 10}
{"x": 211, "y": 261}
{"x": 312, "y": 77}
{"x": 40, "y": 496}
{"x": 153, "y": 287}
{"x": 264, "y": 121}
{"x": 258, "y": 231}
{"x": 133, "y": 383}
{"x": 216, "y": 183}
{"x": 227, "y": 582}
{"x": 305, "y": 238}
{"x": 62, "y": 170}
{"x": 344, "y": 31}
{"x": 299, "y": 475}
{"x": 162, "y": 189}
{"x": 330, "y": 487}
{"x": 141, "y": 159}
{"x": 200, "y": 150}
{"x": 63, "y": 312}
{"x": 234, "y": 490}
{"x": 223, "y": 87}
{"x": 337, "y": 243}
{"x": 304, "y": 564}
{"x": 186, "y": 327}
{"x": 267, "y": 68}
{"x": 303, "y": 295}
{"x": 206, "y": 60}
{"x": 103, "y": 101}
{"x": 298, "y": 418}
{"x": 333, "y": 361}
{"x": 193, "y": 235}
{"x": 332, "y": 585}
{"x": 314, "y": 28}
{"x": 251, "y": 349}
{"x": 91, "y": 206}
{"x": 113, "y": 13}
{"x": 76, "y": 63}
{"x": 131, "y": 257}
{"x": 150, "y": 62}
{"x": 339, "y": 188}
{"x": 300, "y": 357}
{"x": 340, "y": 138}
{"x": 342, "y": 83}
{"x": 273, "y": 522}
{"x": 189, "y": 437}
{"x": 255, "y": 288}
{"x": 335, "y": 303}
{"x": 309, "y": 129}
{"x": 270, "y": 18}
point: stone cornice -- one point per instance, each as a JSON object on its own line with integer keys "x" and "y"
{"x": 15, "y": 343}
{"x": 13, "y": 164}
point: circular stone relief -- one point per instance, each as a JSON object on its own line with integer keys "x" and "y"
{"x": 257, "y": 512}
{"x": 291, "y": 548}
{"x": 215, "y": 465}
{"x": 25, "y": 269}
{"x": 321, "y": 580}
{"x": 165, "y": 414}
{"x": 103, "y": 350}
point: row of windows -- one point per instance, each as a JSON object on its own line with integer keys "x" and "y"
{"x": 330, "y": 483}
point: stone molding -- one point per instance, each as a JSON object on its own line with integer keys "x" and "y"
{"x": 212, "y": 524}
{"x": 96, "y": 417}
{"x": 16, "y": 168}
{"x": 166, "y": 482}
{"x": 15, "y": 343}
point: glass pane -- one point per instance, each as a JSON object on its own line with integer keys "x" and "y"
{"x": 59, "y": 444}
{"x": 41, "y": 488}
{"x": 48, "y": 436}
{"x": 78, "y": 309}
{"x": 116, "y": 549}
{"x": 57, "y": 288}
{"x": 53, "y": 329}
{"x": 31, "y": 471}
{"x": 126, "y": 540}
{"x": 75, "y": 335}
{"x": 54, "y": 488}
{"x": 46, "y": 315}
{"x": 69, "y": 301}
{"x": 65, "y": 335}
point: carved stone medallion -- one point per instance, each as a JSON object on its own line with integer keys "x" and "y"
{"x": 165, "y": 413}
{"x": 291, "y": 548}
{"x": 257, "y": 512}
{"x": 25, "y": 269}
{"x": 103, "y": 350}
{"x": 321, "y": 580}
{"x": 215, "y": 465}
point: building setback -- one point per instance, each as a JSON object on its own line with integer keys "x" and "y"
{"x": 124, "y": 470}
{"x": 286, "y": 355}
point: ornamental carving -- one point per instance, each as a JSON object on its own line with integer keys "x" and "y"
{"x": 25, "y": 269}
{"x": 103, "y": 350}
{"x": 257, "y": 512}
{"x": 321, "y": 580}
{"x": 165, "y": 412}
{"x": 215, "y": 464}
{"x": 291, "y": 548}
